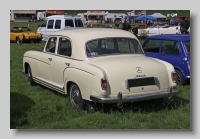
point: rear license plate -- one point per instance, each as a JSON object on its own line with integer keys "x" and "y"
{"x": 141, "y": 82}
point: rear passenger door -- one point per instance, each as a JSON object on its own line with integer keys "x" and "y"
{"x": 151, "y": 48}
{"x": 170, "y": 52}
{"x": 61, "y": 62}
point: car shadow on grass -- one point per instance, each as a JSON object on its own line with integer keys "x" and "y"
{"x": 19, "y": 105}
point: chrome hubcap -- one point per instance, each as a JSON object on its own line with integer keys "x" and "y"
{"x": 29, "y": 75}
{"x": 74, "y": 96}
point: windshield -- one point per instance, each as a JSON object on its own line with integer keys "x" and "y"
{"x": 20, "y": 29}
{"x": 113, "y": 46}
{"x": 187, "y": 47}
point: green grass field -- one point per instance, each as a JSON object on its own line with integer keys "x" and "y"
{"x": 41, "y": 108}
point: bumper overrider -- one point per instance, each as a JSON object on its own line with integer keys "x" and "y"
{"x": 120, "y": 99}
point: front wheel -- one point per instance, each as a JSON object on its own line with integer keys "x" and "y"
{"x": 30, "y": 79}
{"x": 76, "y": 97}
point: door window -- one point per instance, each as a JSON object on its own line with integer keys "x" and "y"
{"x": 152, "y": 46}
{"x": 50, "y": 24}
{"x": 69, "y": 23}
{"x": 170, "y": 47}
{"x": 51, "y": 45}
{"x": 58, "y": 24}
{"x": 78, "y": 23}
{"x": 64, "y": 47}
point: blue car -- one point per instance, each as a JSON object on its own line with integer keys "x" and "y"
{"x": 173, "y": 48}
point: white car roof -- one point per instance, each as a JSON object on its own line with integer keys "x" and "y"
{"x": 63, "y": 16}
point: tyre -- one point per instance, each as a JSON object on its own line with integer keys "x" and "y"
{"x": 181, "y": 80}
{"x": 91, "y": 107}
{"x": 76, "y": 97}
{"x": 30, "y": 79}
{"x": 18, "y": 40}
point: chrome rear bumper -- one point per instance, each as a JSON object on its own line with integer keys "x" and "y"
{"x": 119, "y": 99}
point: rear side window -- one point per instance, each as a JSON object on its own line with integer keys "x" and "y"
{"x": 170, "y": 47}
{"x": 78, "y": 23}
{"x": 58, "y": 24}
{"x": 69, "y": 23}
{"x": 152, "y": 46}
{"x": 64, "y": 47}
{"x": 50, "y": 24}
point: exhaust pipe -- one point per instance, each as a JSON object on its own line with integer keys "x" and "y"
{"x": 119, "y": 103}
{"x": 170, "y": 97}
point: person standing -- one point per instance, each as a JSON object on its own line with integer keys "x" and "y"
{"x": 135, "y": 30}
{"x": 117, "y": 24}
{"x": 184, "y": 26}
{"x": 128, "y": 26}
{"x": 124, "y": 25}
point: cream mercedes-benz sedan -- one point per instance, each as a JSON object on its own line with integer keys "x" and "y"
{"x": 99, "y": 66}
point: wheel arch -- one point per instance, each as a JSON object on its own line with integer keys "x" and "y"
{"x": 182, "y": 72}
{"x": 26, "y": 64}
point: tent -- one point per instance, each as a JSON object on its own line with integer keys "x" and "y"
{"x": 158, "y": 15}
{"x": 145, "y": 17}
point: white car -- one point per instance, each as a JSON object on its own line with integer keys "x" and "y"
{"x": 158, "y": 30}
{"x": 58, "y": 22}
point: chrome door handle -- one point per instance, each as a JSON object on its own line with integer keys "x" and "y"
{"x": 50, "y": 59}
{"x": 67, "y": 63}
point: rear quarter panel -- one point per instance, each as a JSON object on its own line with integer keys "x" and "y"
{"x": 170, "y": 69}
{"x": 87, "y": 77}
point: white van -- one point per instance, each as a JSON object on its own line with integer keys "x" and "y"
{"x": 58, "y": 22}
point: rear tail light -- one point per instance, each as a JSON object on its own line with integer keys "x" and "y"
{"x": 104, "y": 84}
{"x": 174, "y": 77}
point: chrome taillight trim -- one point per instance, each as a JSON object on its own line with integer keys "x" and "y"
{"x": 101, "y": 83}
{"x": 172, "y": 76}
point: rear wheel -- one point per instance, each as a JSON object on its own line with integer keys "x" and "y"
{"x": 76, "y": 97}
{"x": 30, "y": 79}
{"x": 181, "y": 80}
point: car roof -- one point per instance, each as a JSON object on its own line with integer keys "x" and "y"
{"x": 175, "y": 37}
{"x": 63, "y": 17}
{"x": 80, "y": 36}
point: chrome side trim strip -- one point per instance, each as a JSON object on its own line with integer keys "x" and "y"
{"x": 49, "y": 85}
